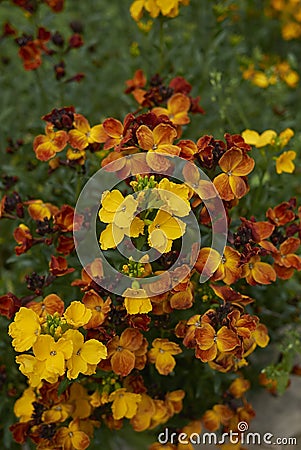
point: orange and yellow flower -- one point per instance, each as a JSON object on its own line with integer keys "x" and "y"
{"x": 235, "y": 166}
{"x": 162, "y": 355}
{"x": 48, "y": 145}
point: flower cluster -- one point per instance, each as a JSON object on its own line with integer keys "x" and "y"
{"x": 270, "y": 71}
{"x": 288, "y": 12}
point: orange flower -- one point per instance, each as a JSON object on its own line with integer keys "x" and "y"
{"x": 286, "y": 260}
{"x": 49, "y": 305}
{"x": 122, "y": 351}
{"x": 145, "y": 411}
{"x": 47, "y": 146}
{"x": 24, "y": 238}
{"x": 219, "y": 414}
{"x": 235, "y": 165}
{"x": 258, "y": 272}
{"x": 177, "y": 109}
{"x": 58, "y": 266}
{"x": 238, "y": 387}
{"x": 83, "y": 134}
{"x": 224, "y": 268}
{"x": 116, "y": 131}
{"x": 72, "y": 437}
{"x": 161, "y": 355}
{"x": 99, "y": 308}
{"x": 135, "y": 86}
{"x": 210, "y": 342}
{"x": 281, "y": 214}
{"x": 63, "y": 219}
{"x": 159, "y": 140}
{"x": 243, "y": 324}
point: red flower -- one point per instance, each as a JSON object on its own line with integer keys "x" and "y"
{"x": 9, "y": 305}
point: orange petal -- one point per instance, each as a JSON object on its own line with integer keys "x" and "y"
{"x": 238, "y": 186}
{"x": 290, "y": 245}
{"x": 263, "y": 273}
{"x": 206, "y": 355}
{"x": 227, "y": 340}
{"x": 123, "y": 362}
{"x": 204, "y": 336}
{"x": 113, "y": 127}
{"x": 230, "y": 159}
{"x": 164, "y": 134}
{"x": 145, "y": 137}
{"x": 221, "y": 182}
{"x": 244, "y": 167}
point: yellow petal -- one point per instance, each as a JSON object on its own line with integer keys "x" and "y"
{"x": 250, "y": 137}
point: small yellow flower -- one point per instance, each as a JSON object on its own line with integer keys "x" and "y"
{"x": 252, "y": 137}
{"x": 118, "y": 212}
{"x": 125, "y": 403}
{"x": 77, "y": 314}
{"x": 164, "y": 230}
{"x": 53, "y": 353}
{"x": 57, "y": 413}
{"x": 177, "y": 201}
{"x": 284, "y": 162}
{"x": 162, "y": 355}
{"x": 25, "y": 329}
{"x": 136, "y": 301}
{"x": 23, "y": 407}
{"x": 84, "y": 353}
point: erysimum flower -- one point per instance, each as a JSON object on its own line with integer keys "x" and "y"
{"x": 99, "y": 307}
{"x": 122, "y": 351}
{"x": 48, "y": 145}
{"x": 159, "y": 140}
{"x": 210, "y": 342}
{"x": 72, "y": 437}
{"x": 125, "y": 403}
{"x": 164, "y": 230}
{"x": 52, "y": 353}
{"x": 177, "y": 202}
{"x": 23, "y": 407}
{"x": 177, "y": 109}
{"x": 136, "y": 301}
{"x": 145, "y": 411}
{"x": 162, "y": 355}
{"x": 83, "y": 134}
{"x": 258, "y": 272}
{"x": 25, "y": 329}
{"x": 118, "y": 212}
{"x": 77, "y": 314}
{"x": 284, "y": 162}
{"x": 252, "y": 137}
{"x": 235, "y": 165}
{"x": 84, "y": 354}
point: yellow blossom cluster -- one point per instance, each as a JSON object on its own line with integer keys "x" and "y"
{"x": 57, "y": 346}
{"x": 289, "y": 14}
{"x": 269, "y": 73}
{"x": 284, "y": 162}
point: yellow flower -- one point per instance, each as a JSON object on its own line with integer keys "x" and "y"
{"x": 285, "y": 136}
{"x": 118, "y": 212}
{"x": 117, "y": 209}
{"x": 136, "y": 301}
{"x": 77, "y": 314}
{"x": 252, "y": 137}
{"x": 84, "y": 354}
{"x": 284, "y": 162}
{"x": 25, "y": 329}
{"x": 161, "y": 355}
{"x": 53, "y": 353}
{"x": 125, "y": 403}
{"x": 80, "y": 401}
{"x": 177, "y": 202}
{"x": 23, "y": 407}
{"x": 164, "y": 230}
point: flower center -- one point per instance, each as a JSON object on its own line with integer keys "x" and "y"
{"x": 53, "y": 353}
{"x": 229, "y": 173}
{"x": 119, "y": 348}
{"x": 98, "y": 308}
{"x": 78, "y": 352}
{"x": 155, "y": 147}
{"x": 160, "y": 350}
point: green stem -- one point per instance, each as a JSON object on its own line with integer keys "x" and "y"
{"x": 161, "y": 34}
